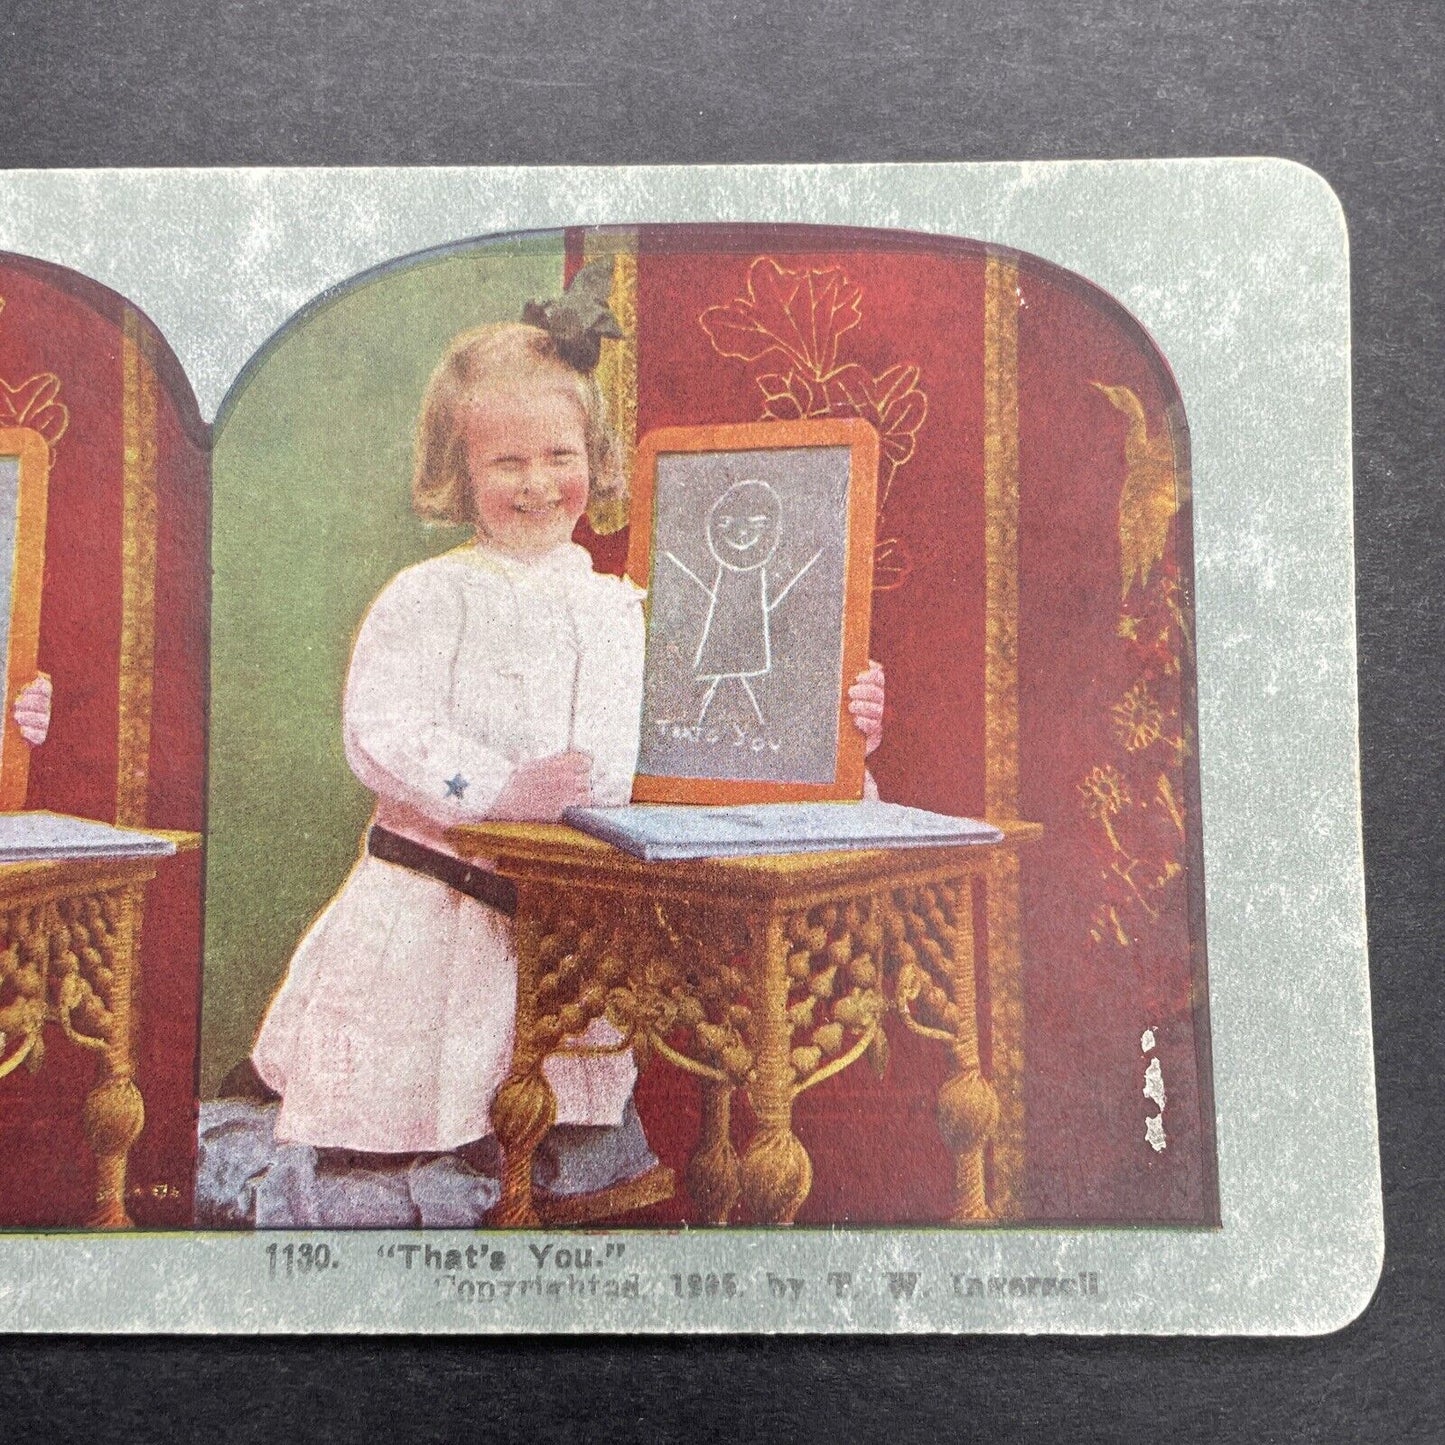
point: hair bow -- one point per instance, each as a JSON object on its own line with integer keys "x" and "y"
{"x": 578, "y": 319}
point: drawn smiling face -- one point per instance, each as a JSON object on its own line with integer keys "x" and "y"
{"x": 742, "y": 528}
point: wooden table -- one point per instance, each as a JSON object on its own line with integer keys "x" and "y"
{"x": 766, "y": 974}
{"x": 70, "y": 956}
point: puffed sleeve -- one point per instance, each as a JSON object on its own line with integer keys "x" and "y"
{"x": 400, "y": 740}
{"x": 610, "y": 712}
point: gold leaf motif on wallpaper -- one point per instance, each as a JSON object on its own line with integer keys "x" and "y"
{"x": 1150, "y": 499}
{"x": 799, "y": 313}
{"x": 796, "y": 320}
{"x": 792, "y": 395}
{"x": 1134, "y": 800}
{"x": 891, "y": 401}
{"x": 33, "y": 404}
{"x": 1138, "y": 718}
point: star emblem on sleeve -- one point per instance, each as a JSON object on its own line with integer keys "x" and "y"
{"x": 456, "y": 786}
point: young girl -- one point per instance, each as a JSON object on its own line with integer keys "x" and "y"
{"x": 499, "y": 681}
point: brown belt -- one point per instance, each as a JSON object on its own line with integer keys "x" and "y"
{"x": 479, "y": 883}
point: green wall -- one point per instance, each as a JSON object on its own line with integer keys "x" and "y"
{"x": 310, "y": 477}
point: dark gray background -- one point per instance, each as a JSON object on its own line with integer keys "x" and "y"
{"x": 1353, "y": 90}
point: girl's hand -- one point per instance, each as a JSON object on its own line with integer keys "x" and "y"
{"x": 865, "y": 703}
{"x": 540, "y": 791}
{"x": 32, "y": 710}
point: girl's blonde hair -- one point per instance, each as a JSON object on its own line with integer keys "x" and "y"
{"x": 477, "y": 362}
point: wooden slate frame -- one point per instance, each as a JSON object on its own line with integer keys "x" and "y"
{"x": 32, "y": 452}
{"x": 862, "y": 440}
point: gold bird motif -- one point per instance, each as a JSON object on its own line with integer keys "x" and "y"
{"x": 1149, "y": 501}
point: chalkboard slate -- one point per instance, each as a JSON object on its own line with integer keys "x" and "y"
{"x": 757, "y": 557}
{"x": 24, "y": 483}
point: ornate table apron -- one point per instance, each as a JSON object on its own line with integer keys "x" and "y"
{"x": 767, "y": 974}
{"x": 70, "y": 955}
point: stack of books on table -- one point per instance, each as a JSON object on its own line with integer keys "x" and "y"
{"x": 46, "y": 837}
{"x": 665, "y": 831}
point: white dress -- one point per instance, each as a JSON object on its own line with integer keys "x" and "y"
{"x": 393, "y": 1029}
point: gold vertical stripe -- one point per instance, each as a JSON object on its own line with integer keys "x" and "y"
{"x": 1001, "y": 537}
{"x": 138, "y": 568}
{"x": 1006, "y": 1022}
{"x": 1001, "y": 719}
{"x": 617, "y": 370}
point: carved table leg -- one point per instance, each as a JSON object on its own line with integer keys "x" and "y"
{"x": 776, "y": 1171}
{"x": 967, "y": 1105}
{"x": 713, "y": 1173}
{"x": 114, "y": 1111}
{"x": 525, "y": 1107}
{"x": 114, "y": 1117}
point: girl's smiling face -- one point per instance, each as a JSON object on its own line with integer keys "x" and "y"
{"x": 527, "y": 463}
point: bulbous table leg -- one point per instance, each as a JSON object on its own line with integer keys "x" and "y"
{"x": 522, "y": 1113}
{"x": 967, "y": 1118}
{"x": 968, "y": 1109}
{"x": 776, "y": 1174}
{"x": 713, "y": 1176}
{"x": 114, "y": 1111}
{"x": 525, "y": 1107}
{"x": 776, "y": 1171}
{"x": 114, "y": 1117}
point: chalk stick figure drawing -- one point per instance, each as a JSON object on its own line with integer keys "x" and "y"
{"x": 736, "y": 642}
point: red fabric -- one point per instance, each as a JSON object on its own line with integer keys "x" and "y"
{"x": 162, "y": 1163}
{"x": 874, "y": 1144}
{"x": 1089, "y": 1002}
{"x": 54, "y": 321}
